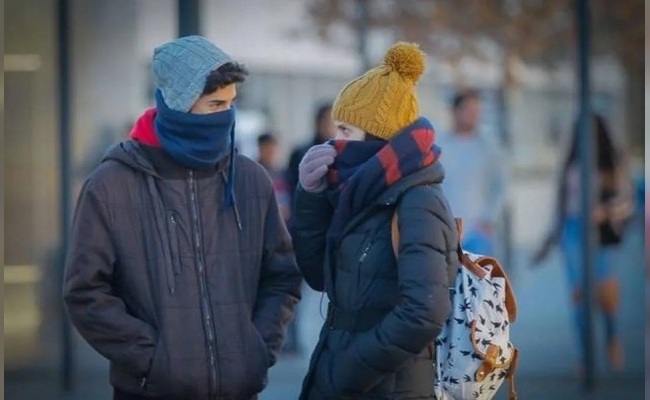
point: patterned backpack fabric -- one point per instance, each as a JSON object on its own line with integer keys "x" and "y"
{"x": 474, "y": 355}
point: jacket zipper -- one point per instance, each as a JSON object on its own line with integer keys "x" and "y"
{"x": 364, "y": 253}
{"x": 175, "y": 248}
{"x": 366, "y": 250}
{"x": 203, "y": 288}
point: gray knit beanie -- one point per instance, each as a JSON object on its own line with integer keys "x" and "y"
{"x": 180, "y": 69}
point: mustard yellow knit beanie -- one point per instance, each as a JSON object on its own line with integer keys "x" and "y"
{"x": 383, "y": 101}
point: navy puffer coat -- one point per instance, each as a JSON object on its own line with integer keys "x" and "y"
{"x": 385, "y": 311}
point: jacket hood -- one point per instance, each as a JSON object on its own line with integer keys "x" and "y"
{"x": 131, "y": 154}
{"x": 144, "y": 130}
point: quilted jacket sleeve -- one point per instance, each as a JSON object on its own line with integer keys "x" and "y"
{"x": 97, "y": 312}
{"x": 427, "y": 234}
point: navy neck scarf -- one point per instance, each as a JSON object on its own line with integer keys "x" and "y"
{"x": 362, "y": 171}
{"x": 197, "y": 141}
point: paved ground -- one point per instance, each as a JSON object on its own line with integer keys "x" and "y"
{"x": 543, "y": 332}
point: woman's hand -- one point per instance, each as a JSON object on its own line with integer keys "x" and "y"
{"x": 314, "y": 166}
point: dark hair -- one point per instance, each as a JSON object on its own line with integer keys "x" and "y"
{"x": 461, "y": 97}
{"x": 266, "y": 138}
{"x": 225, "y": 75}
{"x": 606, "y": 154}
{"x": 321, "y": 112}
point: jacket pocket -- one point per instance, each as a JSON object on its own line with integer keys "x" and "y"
{"x": 154, "y": 380}
{"x": 248, "y": 376}
{"x": 174, "y": 244}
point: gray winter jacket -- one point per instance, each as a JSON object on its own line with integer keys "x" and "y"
{"x": 186, "y": 297}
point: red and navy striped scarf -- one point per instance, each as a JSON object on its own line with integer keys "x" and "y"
{"x": 362, "y": 171}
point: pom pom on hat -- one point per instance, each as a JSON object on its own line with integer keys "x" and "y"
{"x": 406, "y": 59}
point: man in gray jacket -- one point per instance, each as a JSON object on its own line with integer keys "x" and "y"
{"x": 476, "y": 171}
{"x": 180, "y": 269}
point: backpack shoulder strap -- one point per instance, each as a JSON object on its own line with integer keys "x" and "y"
{"x": 499, "y": 272}
{"x": 394, "y": 227}
{"x": 394, "y": 233}
{"x": 464, "y": 259}
{"x": 459, "y": 229}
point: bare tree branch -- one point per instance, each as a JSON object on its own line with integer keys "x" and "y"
{"x": 535, "y": 31}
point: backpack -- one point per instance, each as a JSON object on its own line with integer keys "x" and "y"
{"x": 474, "y": 355}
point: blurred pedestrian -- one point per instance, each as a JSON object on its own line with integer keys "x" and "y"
{"x": 386, "y": 305}
{"x": 324, "y": 131}
{"x": 267, "y": 146}
{"x": 611, "y": 212}
{"x": 180, "y": 269}
{"x": 476, "y": 174}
